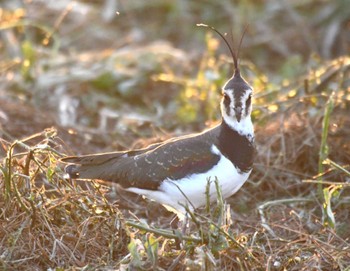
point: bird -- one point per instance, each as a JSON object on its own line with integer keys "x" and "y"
{"x": 177, "y": 171}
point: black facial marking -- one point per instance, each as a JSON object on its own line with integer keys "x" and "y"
{"x": 249, "y": 101}
{"x": 227, "y": 102}
{"x": 248, "y": 104}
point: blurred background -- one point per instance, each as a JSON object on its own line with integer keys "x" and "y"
{"x": 113, "y": 65}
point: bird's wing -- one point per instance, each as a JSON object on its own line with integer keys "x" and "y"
{"x": 172, "y": 160}
{"x": 146, "y": 169}
{"x": 101, "y": 158}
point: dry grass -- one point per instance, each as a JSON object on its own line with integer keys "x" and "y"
{"x": 121, "y": 90}
{"x": 47, "y": 221}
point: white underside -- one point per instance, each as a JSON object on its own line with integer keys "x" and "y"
{"x": 172, "y": 193}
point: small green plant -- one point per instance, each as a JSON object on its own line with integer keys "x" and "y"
{"x": 145, "y": 252}
{"x": 325, "y": 194}
{"x": 210, "y": 236}
{"x": 18, "y": 177}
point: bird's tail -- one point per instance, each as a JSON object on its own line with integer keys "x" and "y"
{"x": 94, "y": 166}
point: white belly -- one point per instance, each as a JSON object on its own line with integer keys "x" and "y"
{"x": 191, "y": 190}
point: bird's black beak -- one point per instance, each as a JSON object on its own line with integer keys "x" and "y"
{"x": 238, "y": 112}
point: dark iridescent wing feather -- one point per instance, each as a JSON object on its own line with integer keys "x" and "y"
{"x": 147, "y": 168}
{"x": 174, "y": 161}
{"x": 96, "y": 159}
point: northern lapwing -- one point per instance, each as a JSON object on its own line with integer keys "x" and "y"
{"x": 175, "y": 172}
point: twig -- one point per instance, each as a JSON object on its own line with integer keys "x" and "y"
{"x": 163, "y": 233}
{"x": 326, "y": 182}
{"x": 335, "y": 165}
{"x": 263, "y": 206}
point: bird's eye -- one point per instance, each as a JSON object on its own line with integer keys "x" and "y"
{"x": 226, "y": 97}
{"x": 249, "y": 100}
{"x": 227, "y": 100}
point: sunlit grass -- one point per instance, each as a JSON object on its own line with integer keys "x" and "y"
{"x": 292, "y": 214}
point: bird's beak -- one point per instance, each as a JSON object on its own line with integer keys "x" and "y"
{"x": 238, "y": 112}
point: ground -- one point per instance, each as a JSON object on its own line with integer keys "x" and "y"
{"x": 78, "y": 78}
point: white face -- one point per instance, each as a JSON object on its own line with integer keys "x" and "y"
{"x": 236, "y": 105}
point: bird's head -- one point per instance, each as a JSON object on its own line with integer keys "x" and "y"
{"x": 236, "y": 103}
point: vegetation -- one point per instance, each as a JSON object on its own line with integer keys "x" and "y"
{"x": 79, "y": 78}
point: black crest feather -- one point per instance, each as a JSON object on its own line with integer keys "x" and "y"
{"x": 234, "y": 53}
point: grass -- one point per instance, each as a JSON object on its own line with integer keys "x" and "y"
{"x": 49, "y": 221}
{"x": 292, "y": 214}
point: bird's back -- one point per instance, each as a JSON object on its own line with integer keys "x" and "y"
{"x": 148, "y": 168}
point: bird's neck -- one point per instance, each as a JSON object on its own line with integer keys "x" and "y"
{"x": 244, "y": 127}
{"x": 237, "y": 144}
